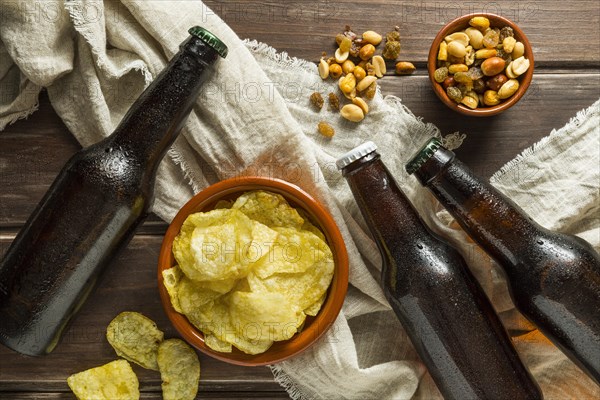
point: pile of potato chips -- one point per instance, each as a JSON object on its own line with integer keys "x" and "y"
{"x": 137, "y": 338}
{"x": 249, "y": 273}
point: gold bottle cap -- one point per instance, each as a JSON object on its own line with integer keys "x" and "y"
{"x": 424, "y": 154}
{"x": 210, "y": 39}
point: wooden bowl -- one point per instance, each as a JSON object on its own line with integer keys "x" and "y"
{"x": 314, "y": 327}
{"x": 459, "y": 24}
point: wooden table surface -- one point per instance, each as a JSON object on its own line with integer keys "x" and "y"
{"x": 566, "y": 42}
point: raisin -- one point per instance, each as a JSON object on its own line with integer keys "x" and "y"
{"x": 440, "y": 74}
{"x": 454, "y": 93}
{"x": 334, "y": 102}
{"x": 317, "y": 100}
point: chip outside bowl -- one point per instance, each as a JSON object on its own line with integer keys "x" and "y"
{"x": 314, "y": 327}
{"x": 461, "y": 23}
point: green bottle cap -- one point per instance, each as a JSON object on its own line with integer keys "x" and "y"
{"x": 423, "y": 155}
{"x": 210, "y": 39}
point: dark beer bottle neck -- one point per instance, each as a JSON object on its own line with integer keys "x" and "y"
{"x": 389, "y": 214}
{"x": 494, "y": 220}
{"x": 155, "y": 119}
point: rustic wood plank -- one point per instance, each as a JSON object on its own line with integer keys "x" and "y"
{"x": 129, "y": 284}
{"x": 306, "y": 28}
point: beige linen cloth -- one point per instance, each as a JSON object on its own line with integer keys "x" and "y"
{"x": 253, "y": 117}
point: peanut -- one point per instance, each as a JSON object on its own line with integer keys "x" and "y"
{"x": 347, "y": 83}
{"x": 508, "y": 89}
{"x": 456, "y": 49}
{"x": 348, "y": 66}
{"x": 405, "y": 68}
{"x": 359, "y": 73}
{"x": 379, "y": 66}
{"x": 475, "y": 37}
{"x": 372, "y": 37}
{"x": 490, "y": 98}
{"x": 508, "y": 44}
{"x": 518, "y": 50}
{"x": 335, "y": 70}
{"x": 493, "y": 66}
{"x": 443, "y": 52}
{"x": 365, "y": 82}
{"x": 362, "y": 104}
{"x": 323, "y": 69}
{"x": 352, "y": 112}
{"x": 519, "y": 66}
{"x": 481, "y": 23}
{"x": 459, "y": 37}
{"x": 471, "y": 102}
{"x": 340, "y": 56}
{"x": 485, "y": 53}
{"x": 454, "y": 68}
{"x": 366, "y": 51}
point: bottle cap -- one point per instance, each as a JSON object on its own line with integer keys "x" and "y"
{"x": 210, "y": 39}
{"x": 355, "y": 154}
{"x": 423, "y": 155}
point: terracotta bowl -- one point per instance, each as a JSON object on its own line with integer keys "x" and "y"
{"x": 314, "y": 327}
{"x": 459, "y": 24}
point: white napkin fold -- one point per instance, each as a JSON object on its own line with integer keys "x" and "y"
{"x": 253, "y": 117}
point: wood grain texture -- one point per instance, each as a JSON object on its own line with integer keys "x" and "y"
{"x": 566, "y": 41}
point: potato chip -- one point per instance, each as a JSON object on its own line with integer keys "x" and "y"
{"x": 293, "y": 251}
{"x": 263, "y": 316}
{"x": 303, "y": 288}
{"x": 191, "y": 295}
{"x": 179, "y": 370}
{"x": 314, "y": 308}
{"x": 270, "y": 209}
{"x": 213, "y": 245}
{"x": 217, "y": 344}
{"x": 171, "y": 279}
{"x": 308, "y": 226}
{"x": 135, "y": 338}
{"x": 113, "y": 381}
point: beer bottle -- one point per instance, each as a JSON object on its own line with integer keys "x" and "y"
{"x": 93, "y": 207}
{"x": 554, "y": 278}
{"x": 444, "y": 311}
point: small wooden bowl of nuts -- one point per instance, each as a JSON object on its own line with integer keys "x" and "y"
{"x": 480, "y": 64}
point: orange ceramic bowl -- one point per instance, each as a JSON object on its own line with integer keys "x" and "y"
{"x": 314, "y": 327}
{"x": 459, "y": 24}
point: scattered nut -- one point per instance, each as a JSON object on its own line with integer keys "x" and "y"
{"x": 366, "y": 51}
{"x": 362, "y": 104}
{"x": 335, "y": 70}
{"x": 323, "y": 69}
{"x": 340, "y": 56}
{"x": 316, "y": 100}
{"x": 347, "y": 84}
{"x": 371, "y": 90}
{"x": 365, "y": 82}
{"x": 372, "y": 37}
{"x": 348, "y": 66}
{"x": 359, "y": 73}
{"x": 405, "y": 68}
{"x": 325, "y": 129}
{"x": 379, "y": 66}
{"x": 352, "y": 112}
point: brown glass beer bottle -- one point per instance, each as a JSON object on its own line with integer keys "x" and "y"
{"x": 554, "y": 278}
{"x": 446, "y": 314}
{"x": 94, "y": 205}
